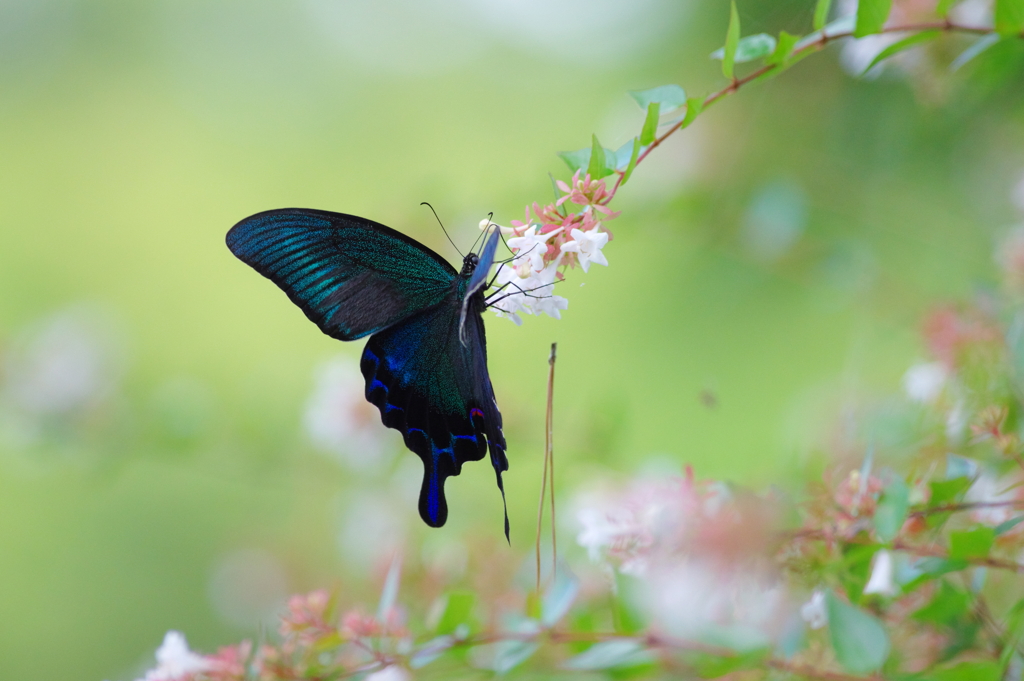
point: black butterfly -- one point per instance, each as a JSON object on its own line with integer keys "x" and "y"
{"x": 425, "y": 363}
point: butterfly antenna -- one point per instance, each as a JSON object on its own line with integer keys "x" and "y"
{"x": 485, "y": 230}
{"x": 442, "y": 228}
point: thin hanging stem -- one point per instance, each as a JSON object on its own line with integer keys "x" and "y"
{"x": 549, "y": 452}
{"x": 540, "y": 513}
{"x": 549, "y": 463}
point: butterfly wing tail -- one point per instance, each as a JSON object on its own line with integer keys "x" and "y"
{"x": 442, "y": 441}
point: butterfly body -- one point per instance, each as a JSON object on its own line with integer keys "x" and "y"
{"x": 425, "y": 363}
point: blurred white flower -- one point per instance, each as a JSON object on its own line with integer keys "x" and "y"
{"x": 62, "y": 367}
{"x": 700, "y": 552}
{"x": 624, "y": 527}
{"x": 340, "y": 421}
{"x": 371, "y": 526}
{"x": 924, "y": 382}
{"x": 989, "y": 489}
{"x": 587, "y": 247}
{"x": 174, "y": 660}
{"x": 972, "y": 12}
{"x": 881, "y": 580}
{"x": 814, "y": 612}
{"x": 697, "y": 598}
{"x": 390, "y": 673}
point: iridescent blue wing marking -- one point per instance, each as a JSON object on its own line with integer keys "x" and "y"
{"x": 351, "y": 276}
{"x": 437, "y": 393}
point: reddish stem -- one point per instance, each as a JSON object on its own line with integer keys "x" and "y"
{"x": 737, "y": 83}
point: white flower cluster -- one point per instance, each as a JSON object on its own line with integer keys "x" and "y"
{"x": 527, "y": 281}
{"x": 174, "y": 660}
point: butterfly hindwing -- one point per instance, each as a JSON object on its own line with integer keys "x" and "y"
{"x": 351, "y": 276}
{"x": 436, "y": 391}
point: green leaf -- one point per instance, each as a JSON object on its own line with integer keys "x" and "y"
{"x": 576, "y": 159}
{"x": 1014, "y": 628}
{"x": 623, "y": 652}
{"x": 783, "y": 48}
{"x": 856, "y": 568}
{"x": 901, "y": 45}
{"x": 976, "y": 48}
{"x": 670, "y": 97}
{"x": 633, "y": 156}
{"x": 859, "y": 640}
{"x": 821, "y": 13}
{"x": 947, "y": 606}
{"x": 750, "y": 48}
{"x": 947, "y": 491}
{"x": 931, "y": 568}
{"x": 871, "y": 16}
{"x": 982, "y": 670}
{"x": 892, "y": 509}
{"x": 732, "y": 41}
{"x": 694, "y": 105}
{"x": 560, "y": 595}
{"x": 457, "y": 610}
{"x": 650, "y": 130}
{"x": 942, "y": 9}
{"x": 974, "y": 543}
{"x": 1004, "y": 527}
{"x": 623, "y": 154}
{"x": 1009, "y": 17}
{"x": 598, "y": 166}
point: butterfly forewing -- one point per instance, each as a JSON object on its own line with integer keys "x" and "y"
{"x": 351, "y": 276}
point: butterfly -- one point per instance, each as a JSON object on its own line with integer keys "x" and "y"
{"x": 425, "y": 363}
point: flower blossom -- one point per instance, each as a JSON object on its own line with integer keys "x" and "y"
{"x": 175, "y": 661}
{"x": 390, "y": 673}
{"x": 881, "y": 580}
{"x": 924, "y": 382}
{"x": 814, "y": 611}
{"x": 988, "y": 489}
{"x": 546, "y": 243}
{"x": 704, "y": 555}
{"x": 587, "y": 247}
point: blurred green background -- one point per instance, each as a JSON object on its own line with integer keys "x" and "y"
{"x": 770, "y": 265}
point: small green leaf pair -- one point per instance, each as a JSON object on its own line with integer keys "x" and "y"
{"x": 600, "y": 162}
